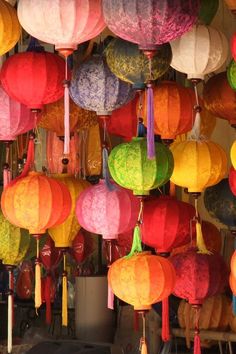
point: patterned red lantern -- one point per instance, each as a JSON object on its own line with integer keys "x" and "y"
{"x": 82, "y": 246}
{"x": 232, "y": 180}
{"x": 166, "y": 223}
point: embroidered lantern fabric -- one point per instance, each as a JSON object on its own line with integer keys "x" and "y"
{"x": 198, "y": 164}
{"x": 150, "y": 23}
{"x": 166, "y": 223}
{"x": 33, "y": 78}
{"x": 95, "y": 88}
{"x": 208, "y": 10}
{"x": 200, "y": 51}
{"x": 62, "y": 23}
{"x": 220, "y": 98}
{"x": 141, "y": 280}
{"x": 107, "y": 212}
{"x": 233, "y": 154}
{"x": 130, "y": 167}
{"x": 10, "y": 27}
{"x": 173, "y": 109}
{"x": 129, "y": 64}
{"x": 221, "y": 203}
{"x": 64, "y": 233}
{"x": 15, "y": 118}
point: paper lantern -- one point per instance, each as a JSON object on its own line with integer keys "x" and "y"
{"x": 200, "y": 51}
{"x": 220, "y": 98}
{"x": 166, "y": 223}
{"x": 233, "y": 154}
{"x": 52, "y": 117}
{"x": 129, "y": 64}
{"x": 95, "y": 88}
{"x": 149, "y": 23}
{"x": 173, "y": 109}
{"x": 10, "y": 27}
{"x": 221, "y": 203}
{"x": 15, "y": 118}
{"x": 33, "y": 78}
{"x": 68, "y": 24}
{"x": 232, "y": 180}
{"x": 208, "y": 10}
{"x": 131, "y": 169}
{"x": 107, "y": 212}
{"x": 64, "y": 233}
{"x": 198, "y": 164}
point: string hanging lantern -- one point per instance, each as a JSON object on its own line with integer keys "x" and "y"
{"x": 10, "y": 27}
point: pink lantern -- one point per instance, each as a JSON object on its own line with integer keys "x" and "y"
{"x": 15, "y": 118}
{"x": 107, "y": 212}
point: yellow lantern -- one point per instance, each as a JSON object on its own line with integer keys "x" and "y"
{"x": 198, "y": 164}
{"x": 233, "y": 154}
{"x": 9, "y": 27}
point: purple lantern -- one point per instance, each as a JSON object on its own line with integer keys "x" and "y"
{"x": 150, "y": 22}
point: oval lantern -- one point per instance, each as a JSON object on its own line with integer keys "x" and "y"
{"x": 64, "y": 233}
{"x": 10, "y": 27}
{"x": 96, "y": 88}
{"x": 198, "y": 164}
{"x": 208, "y": 10}
{"x": 33, "y": 78}
{"x": 219, "y": 98}
{"x": 190, "y": 55}
{"x": 149, "y": 23}
{"x": 129, "y": 64}
{"x": 131, "y": 169}
{"x": 15, "y": 118}
{"x": 221, "y": 203}
{"x": 166, "y": 223}
{"x": 233, "y": 154}
{"x": 107, "y": 212}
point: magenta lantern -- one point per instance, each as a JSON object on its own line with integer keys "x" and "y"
{"x": 107, "y": 212}
{"x": 150, "y": 23}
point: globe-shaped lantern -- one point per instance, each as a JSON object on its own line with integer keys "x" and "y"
{"x": 68, "y": 24}
{"x": 130, "y": 167}
{"x": 96, "y": 88}
{"x": 129, "y": 64}
{"x": 10, "y": 27}
{"x": 166, "y": 223}
{"x": 233, "y": 154}
{"x": 219, "y": 98}
{"x": 208, "y": 10}
{"x": 221, "y": 203}
{"x": 190, "y": 55}
{"x": 198, "y": 164}
{"x": 149, "y": 23}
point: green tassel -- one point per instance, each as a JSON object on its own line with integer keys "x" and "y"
{"x": 136, "y": 245}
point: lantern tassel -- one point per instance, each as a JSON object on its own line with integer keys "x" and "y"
{"x": 48, "y": 285}
{"x": 136, "y": 244}
{"x": 66, "y": 109}
{"x": 64, "y": 294}
{"x": 200, "y": 240}
{"x": 150, "y": 123}
{"x": 197, "y": 341}
{"x": 37, "y": 291}
{"x": 105, "y": 170}
{"x": 6, "y": 175}
{"x": 143, "y": 342}
{"x": 165, "y": 320}
{"x": 234, "y": 304}
{"x": 10, "y": 314}
{"x": 196, "y": 130}
{"x": 110, "y": 298}
{"x": 197, "y": 344}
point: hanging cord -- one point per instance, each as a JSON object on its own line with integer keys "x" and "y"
{"x": 150, "y": 114}
{"x": 66, "y": 109}
{"x": 10, "y": 311}
{"x": 196, "y": 129}
{"x": 199, "y": 236}
{"x": 37, "y": 291}
{"x": 6, "y": 167}
{"x": 64, "y": 293}
{"x": 143, "y": 341}
{"x": 105, "y": 170}
{"x": 197, "y": 341}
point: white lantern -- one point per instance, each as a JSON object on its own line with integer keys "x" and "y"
{"x": 199, "y": 52}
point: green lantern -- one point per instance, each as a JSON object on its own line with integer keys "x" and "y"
{"x": 131, "y": 169}
{"x": 208, "y": 10}
{"x": 129, "y": 64}
{"x": 231, "y": 74}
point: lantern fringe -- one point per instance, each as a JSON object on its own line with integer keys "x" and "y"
{"x": 105, "y": 170}
{"x": 200, "y": 240}
{"x": 48, "y": 285}
{"x": 136, "y": 245}
{"x": 110, "y": 298}
{"x": 196, "y": 129}
{"x": 197, "y": 344}
{"x": 150, "y": 123}
{"x": 143, "y": 342}
{"x": 234, "y": 304}
{"x": 197, "y": 341}
{"x": 165, "y": 333}
{"x": 10, "y": 314}
{"x": 64, "y": 294}
{"x": 66, "y": 119}
{"x": 6, "y": 175}
{"x": 37, "y": 291}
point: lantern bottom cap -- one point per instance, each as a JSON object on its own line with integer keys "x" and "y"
{"x": 63, "y": 245}
{"x": 142, "y": 308}
{"x": 103, "y": 113}
{"x": 61, "y": 46}
{"x": 109, "y": 237}
{"x": 140, "y": 192}
{"x": 37, "y": 233}
{"x": 195, "y": 76}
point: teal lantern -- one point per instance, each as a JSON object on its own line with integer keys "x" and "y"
{"x": 208, "y": 10}
{"x": 131, "y": 169}
{"x": 231, "y": 74}
{"x": 129, "y": 64}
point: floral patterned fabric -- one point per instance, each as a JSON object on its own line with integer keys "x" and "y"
{"x": 150, "y": 23}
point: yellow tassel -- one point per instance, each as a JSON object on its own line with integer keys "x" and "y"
{"x": 64, "y": 296}
{"x": 144, "y": 346}
{"x": 38, "y": 298}
{"x": 200, "y": 240}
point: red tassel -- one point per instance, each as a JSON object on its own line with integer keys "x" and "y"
{"x": 165, "y": 320}
{"x": 197, "y": 344}
{"x": 110, "y": 298}
{"x": 136, "y": 321}
{"x": 47, "y": 295}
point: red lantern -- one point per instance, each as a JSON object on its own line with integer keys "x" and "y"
{"x": 232, "y": 180}
{"x": 166, "y": 223}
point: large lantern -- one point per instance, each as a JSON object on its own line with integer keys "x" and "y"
{"x": 129, "y": 64}
{"x": 149, "y": 23}
{"x": 10, "y": 27}
{"x": 198, "y": 164}
{"x": 130, "y": 167}
{"x": 166, "y": 223}
{"x": 190, "y": 55}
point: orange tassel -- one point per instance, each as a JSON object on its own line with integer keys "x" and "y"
{"x": 37, "y": 289}
{"x": 144, "y": 346}
{"x": 64, "y": 295}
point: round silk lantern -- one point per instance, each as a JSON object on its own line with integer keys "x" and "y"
{"x": 33, "y": 78}
{"x": 130, "y": 167}
{"x": 220, "y": 98}
{"x": 200, "y": 51}
{"x": 232, "y": 180}
{"x": 166, "y": 223}
{"x": 198, "y": 164}
{"x": 221, "y": 203}
{"x": 95, "y": 88}
{"x": 150, "y": 23}
{"x": 129, "y": 64}
{"x": 208, "y": 10}
{"x": 233, "y": 154}
{"x": 10, "y": 27}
